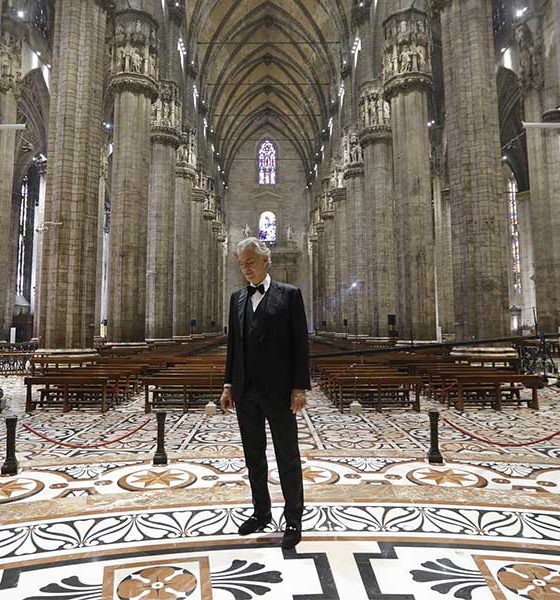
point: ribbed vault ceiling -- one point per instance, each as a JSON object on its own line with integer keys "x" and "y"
{"x": 268, "y": 63}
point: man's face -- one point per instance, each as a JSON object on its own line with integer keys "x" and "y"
{"x": 253, "y": 266}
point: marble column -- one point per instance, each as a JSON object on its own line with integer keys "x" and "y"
{"x": 479, "y": 212}
{"x": 166, "y": 120}
{"x": 67, "y": 312}
{"x": 10, "y": 76}
{"x": 341, "y": 253}
{"x": 184, "y": 180}
{"x": 357, "y": 238}
{"x": 321, "y": 314}
{"x": 197, "y": 271}
{"x": 135, "y": 88}
{"x": 377, "y": 142}
{"x": 102, "y": 244}
{"x": 329, "y": 280}
{"x": 312, "y": 250}
{"x": 38, "y": 246}
{"x": 407, "y": 83}
{"x": 206, "y": 252}
{"x": 544, "y": 156}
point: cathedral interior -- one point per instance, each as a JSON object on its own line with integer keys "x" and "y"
{"x": 401, "y": 160}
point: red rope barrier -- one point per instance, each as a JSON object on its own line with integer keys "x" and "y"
{"x": 80, "y": 446}
{"x": 503, "y": 444}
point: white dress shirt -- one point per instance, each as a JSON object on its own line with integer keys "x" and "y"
{"x": 257, "y": 296}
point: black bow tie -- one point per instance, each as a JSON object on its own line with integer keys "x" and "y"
{"x": 251, "y": 289}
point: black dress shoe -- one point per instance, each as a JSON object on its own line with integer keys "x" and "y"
{"x": 253, "y": 524}
{"x": 292, "y": 537}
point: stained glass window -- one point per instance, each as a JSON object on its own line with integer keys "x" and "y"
{"x": 514, "y": 232}
{"x": 267, "y": 163}
{"x": 267, "y": 227}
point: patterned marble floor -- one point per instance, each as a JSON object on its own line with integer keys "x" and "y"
{"x": 380, "y": 522}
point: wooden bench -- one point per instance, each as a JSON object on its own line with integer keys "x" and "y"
{"x": 68, "y": 390}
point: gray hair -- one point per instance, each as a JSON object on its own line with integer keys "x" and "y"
{"x": 258, "y": 246}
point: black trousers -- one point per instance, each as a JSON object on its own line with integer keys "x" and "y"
{"x": 251, "y": 415}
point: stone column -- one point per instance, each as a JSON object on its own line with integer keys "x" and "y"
{"x": 185, "y": 176}
{"x": 207, "y": 274}
{"x": 102, "y": 243}
{"x": 443, "y": 249}
{"x": 407, "y": 82}
{"x": 479, "y": 212}
{"x": 134, "y": 84}
{"x": 357, "y": 238}
{"x": 166, "y": 120}
{"x": 544, "y": 156}
{"x": 320, "y": 304}
{"x": 341, "y": 253}
{"x": 527, "y": 259}
{"x": 377, "y": 142}
{"x": 329, "y": 276}
{"x": 67, "y": 313}
{"x": 10, "y": 75}
{"x": 216, "y": 230}
{"x": 196, "y": 278}
{"x": 38, "y": 246}
{"x": 312, "y": 249}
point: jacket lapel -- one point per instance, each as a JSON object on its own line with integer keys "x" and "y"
{"x": 241, "y": 300}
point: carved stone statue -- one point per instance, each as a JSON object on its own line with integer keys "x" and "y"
{"x": 246, "y": 231}
{"x": 289, "y": 233}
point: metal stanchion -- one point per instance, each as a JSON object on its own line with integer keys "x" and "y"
{"x": 434, "y": 455}
{"x": 10, "y": 466}
{"x": 160, "y": 457}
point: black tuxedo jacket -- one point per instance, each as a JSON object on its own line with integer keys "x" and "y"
{"x": 283, "y": 357}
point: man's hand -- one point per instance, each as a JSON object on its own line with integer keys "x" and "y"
{"x": 226, "y": 400}
{"x": 298, "y": 400}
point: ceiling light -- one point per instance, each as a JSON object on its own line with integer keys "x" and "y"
{"x": 20, "y": 14}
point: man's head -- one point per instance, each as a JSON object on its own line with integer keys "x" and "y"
{"x": 254, "y": 259}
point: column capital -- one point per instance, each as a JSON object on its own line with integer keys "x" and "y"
{"x": 406, "y": 53}
{"x": 10, "y": 59}
{"x": 135, "y": 54}
{"x": 352, "y": 155}
{"x": 167, "y": 115}
{"x": 339, "y": 194}
{"x": 199, "y": 195}
{"x": 375, "y": 116}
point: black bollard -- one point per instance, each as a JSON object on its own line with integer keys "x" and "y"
{"x": 10, "y": 466}
{"x": 434, "y": 455}
{"x": 160, "y": 457}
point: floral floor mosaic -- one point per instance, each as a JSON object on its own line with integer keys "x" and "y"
{"x": 380, "y": 522}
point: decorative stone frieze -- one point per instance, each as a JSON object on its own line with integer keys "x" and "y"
{"x": 406, "y": 52}
{"x": 135, "y": 54}
{"x": 531, "y": 62}
{"x": 10, "y": 62}
{"x": 375, "y": 116}
{"x": 166, "y": 114}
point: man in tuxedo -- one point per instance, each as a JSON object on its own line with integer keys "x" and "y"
{"x": 267, "y": 373}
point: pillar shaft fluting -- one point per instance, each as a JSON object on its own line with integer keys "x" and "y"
{"x": 479, "y": 211}
{"x": 166, "y": 119}
{"x": 376, "y": 139}
{"x": 407, "y": 81}
{"x": 185, "y": 174}
{"x": 135, "y": 88}
{"x": 544, "y": 156}
{"x": 10, "y": 59}
{"x": 70, "y": 235}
